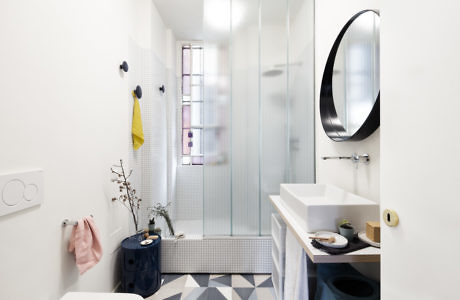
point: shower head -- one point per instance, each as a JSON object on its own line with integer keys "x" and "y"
{"x": 272, "y": 73}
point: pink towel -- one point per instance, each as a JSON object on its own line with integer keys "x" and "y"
{"x": 85, "y": 241}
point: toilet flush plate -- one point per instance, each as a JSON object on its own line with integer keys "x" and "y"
{"x": 21, "y": 190}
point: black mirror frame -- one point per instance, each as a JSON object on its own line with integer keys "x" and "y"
{"x": 329, "y": 118}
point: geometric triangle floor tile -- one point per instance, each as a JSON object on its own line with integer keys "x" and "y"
{"x": 215, "y": 287}
{"x": 267, "y": 283}
{"x": 242, "y": 281}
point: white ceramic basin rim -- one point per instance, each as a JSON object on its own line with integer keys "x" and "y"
{"x": 321, "y": 206}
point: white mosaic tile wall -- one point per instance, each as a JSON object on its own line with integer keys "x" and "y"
{"x": 172, "y": 138}
{"x": 151, "y": 128}
{"x": 217, "y": 255}
{"x": 153, "y": 163}
{"x": 188, "y": 204}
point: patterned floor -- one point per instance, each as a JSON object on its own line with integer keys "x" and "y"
{"x": 215, "y": 287}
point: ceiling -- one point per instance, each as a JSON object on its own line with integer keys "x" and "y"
{"x": 184, "y": 17}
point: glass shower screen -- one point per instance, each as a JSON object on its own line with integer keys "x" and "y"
{"x": 247, "y": 111}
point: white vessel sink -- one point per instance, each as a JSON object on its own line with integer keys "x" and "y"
{"x": 322, "y": 206}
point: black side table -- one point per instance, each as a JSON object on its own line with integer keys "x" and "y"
{"x": 140, "y": 265}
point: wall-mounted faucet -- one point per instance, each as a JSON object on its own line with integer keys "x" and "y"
{"x": 355, "y": 158}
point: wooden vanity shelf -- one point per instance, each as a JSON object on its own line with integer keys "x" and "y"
{"x": 369, "y": 254}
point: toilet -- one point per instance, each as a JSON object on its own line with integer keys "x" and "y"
{"x": 100, "y": 296}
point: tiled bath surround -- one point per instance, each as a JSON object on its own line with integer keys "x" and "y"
{"x": 216, "y": 255}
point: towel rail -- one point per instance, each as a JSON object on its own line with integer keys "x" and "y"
{"x": 67, "y": 222}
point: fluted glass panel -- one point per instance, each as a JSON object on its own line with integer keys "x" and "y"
{"x": 245, "y": 117}
{"x": 217, "y": 118}
{"x": 301, "y": 91}
{"x": 274, "y": 118}
{"x": 258, "y": 110}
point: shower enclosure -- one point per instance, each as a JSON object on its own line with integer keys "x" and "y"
{"x": 258, "y": 109}
{"x": 257, "y": 131}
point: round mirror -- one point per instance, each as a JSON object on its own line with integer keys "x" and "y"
{"x": 350, "y": 89}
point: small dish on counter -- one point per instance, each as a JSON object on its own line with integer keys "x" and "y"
{"x": 146, "y": 242}
{"x": 362, "y": 236}
{"x": 340, "y": 241}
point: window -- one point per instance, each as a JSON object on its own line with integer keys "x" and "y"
{"x": 192, "y": 104}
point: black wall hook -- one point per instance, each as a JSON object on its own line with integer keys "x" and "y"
{"x": 124, "y": 66}
{"x": 138, "y": 92}
{"x": 162, "y": 88}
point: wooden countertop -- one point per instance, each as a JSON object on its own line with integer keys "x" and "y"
{"x": 369, "y": 254}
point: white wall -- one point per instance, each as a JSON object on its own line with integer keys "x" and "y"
{"x": 330, "y": 17}
{"x": 66, "y": 108}
{"x": 420, "y": 148}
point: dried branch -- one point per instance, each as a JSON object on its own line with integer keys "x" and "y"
{"x": 127, "y": 194}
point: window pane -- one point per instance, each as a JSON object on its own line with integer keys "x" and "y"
{"x": 185, "y": 61}
{"x": 186, "y": 116}
{"x": 196, "y": 149}
{"x": 197, "y": 65}
{"x": 192, "y": 108}
{"x": 197, "y": 160}
{"x": 186, "y": 160}
{"x": 196, "y": 117}
{"x": 186, "y": 85}
{"x": 196, "y": 93}
{"x": 197, "y": 79}
{"x": 185, "y": 142}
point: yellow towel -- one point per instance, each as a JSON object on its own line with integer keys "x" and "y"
{"x": 137, "y": 131}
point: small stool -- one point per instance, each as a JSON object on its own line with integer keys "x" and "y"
{"x": 140, "y": 265}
